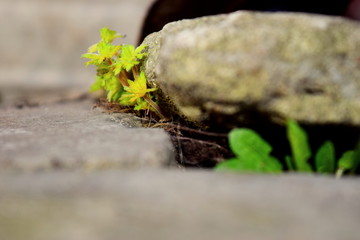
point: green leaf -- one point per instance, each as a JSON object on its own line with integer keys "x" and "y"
{"x": 130, "y": 56}
{"x": 93, "y": 48}
{"x": 136, "y": 89}
{"x": 98, "y": 84}
{"x": 289, "y": 163}
{"x": 108, "y": 35}
{"x": 246, "y": 165}
{"x": 114, "y": 88}
{"x": 325, "y": 158}
{"x": 356, "y": 159}
{"x": 94, "y": 59}
{"x": 138, "y": 51}
{"x": 242, "y": 140}
{"x": 114, "y": 94}
{"x": 118, "y": 67}
{"x": 235, "y": 164}
{"x": 346, "y": 162}
{"x": 299, "y": 146}
{"x": 272, "y": 165}
{"x": 252, "y": 152}
{"x": 106, "y": 50}
{"x": 141, "y": 104}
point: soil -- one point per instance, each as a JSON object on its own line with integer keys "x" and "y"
{"x": 194, "y": 147}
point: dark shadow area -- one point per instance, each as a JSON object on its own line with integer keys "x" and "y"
{"x": 345, "y": 137}
{"x": 204, "y": 148}
{"x": 165, "y": 11}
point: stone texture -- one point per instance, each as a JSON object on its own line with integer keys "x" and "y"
{"x": 20, "y": 96}
{"x": 284, "y": 65}
{"x": 161, "y": 204}
{"x": 71, "y": 135}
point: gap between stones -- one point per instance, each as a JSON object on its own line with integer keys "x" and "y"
{"x": 200, "y": 148}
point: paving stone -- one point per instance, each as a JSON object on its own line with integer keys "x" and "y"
{"x": 168, "y": 204}
{"x": 72, "y": 135}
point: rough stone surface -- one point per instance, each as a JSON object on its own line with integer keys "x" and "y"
{"x": 161, "y": 204}
{"x": 71, "y": 135}
{"x": 285, "y": 65}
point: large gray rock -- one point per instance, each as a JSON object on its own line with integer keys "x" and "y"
{"x": 71, "y": 135}
{"x": 164, "y": 204}
{"x": 276, "y": 65}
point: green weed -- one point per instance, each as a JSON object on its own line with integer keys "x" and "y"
{"x": 252, "y": 154}
{"x": 118, "y": 73}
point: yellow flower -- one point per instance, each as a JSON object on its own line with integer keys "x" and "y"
{"x": 136, "y": 90}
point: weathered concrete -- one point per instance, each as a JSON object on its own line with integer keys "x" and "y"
{"x": 73, "y": 136}
{"x": 284, "y": 65}
{"x": 161, "y": 204}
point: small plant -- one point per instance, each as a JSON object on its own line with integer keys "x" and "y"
{"x": 118, "y": 73}
{"x": 252, "y": 154}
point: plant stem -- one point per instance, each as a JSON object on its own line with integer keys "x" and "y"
{"x": 146, "y": 97}
{"x": 191, "y": 130}
{"x": 155, "y": 106}
{"x": 123, "y": 79}
{"x": 135, "y": 72}
{"x": 339, "y": 173}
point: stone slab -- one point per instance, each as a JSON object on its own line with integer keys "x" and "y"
{"x": 168, "y": 204}
{"x": 72, "y": 135}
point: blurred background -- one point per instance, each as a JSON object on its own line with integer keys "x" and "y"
{"x": 41, "y": 41}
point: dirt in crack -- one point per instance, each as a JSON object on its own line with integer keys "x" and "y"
{"x": 197, "y": 148}
{"x": 194, "y": 147}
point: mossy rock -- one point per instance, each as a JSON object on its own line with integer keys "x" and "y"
{"x": 236, "y": 68}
